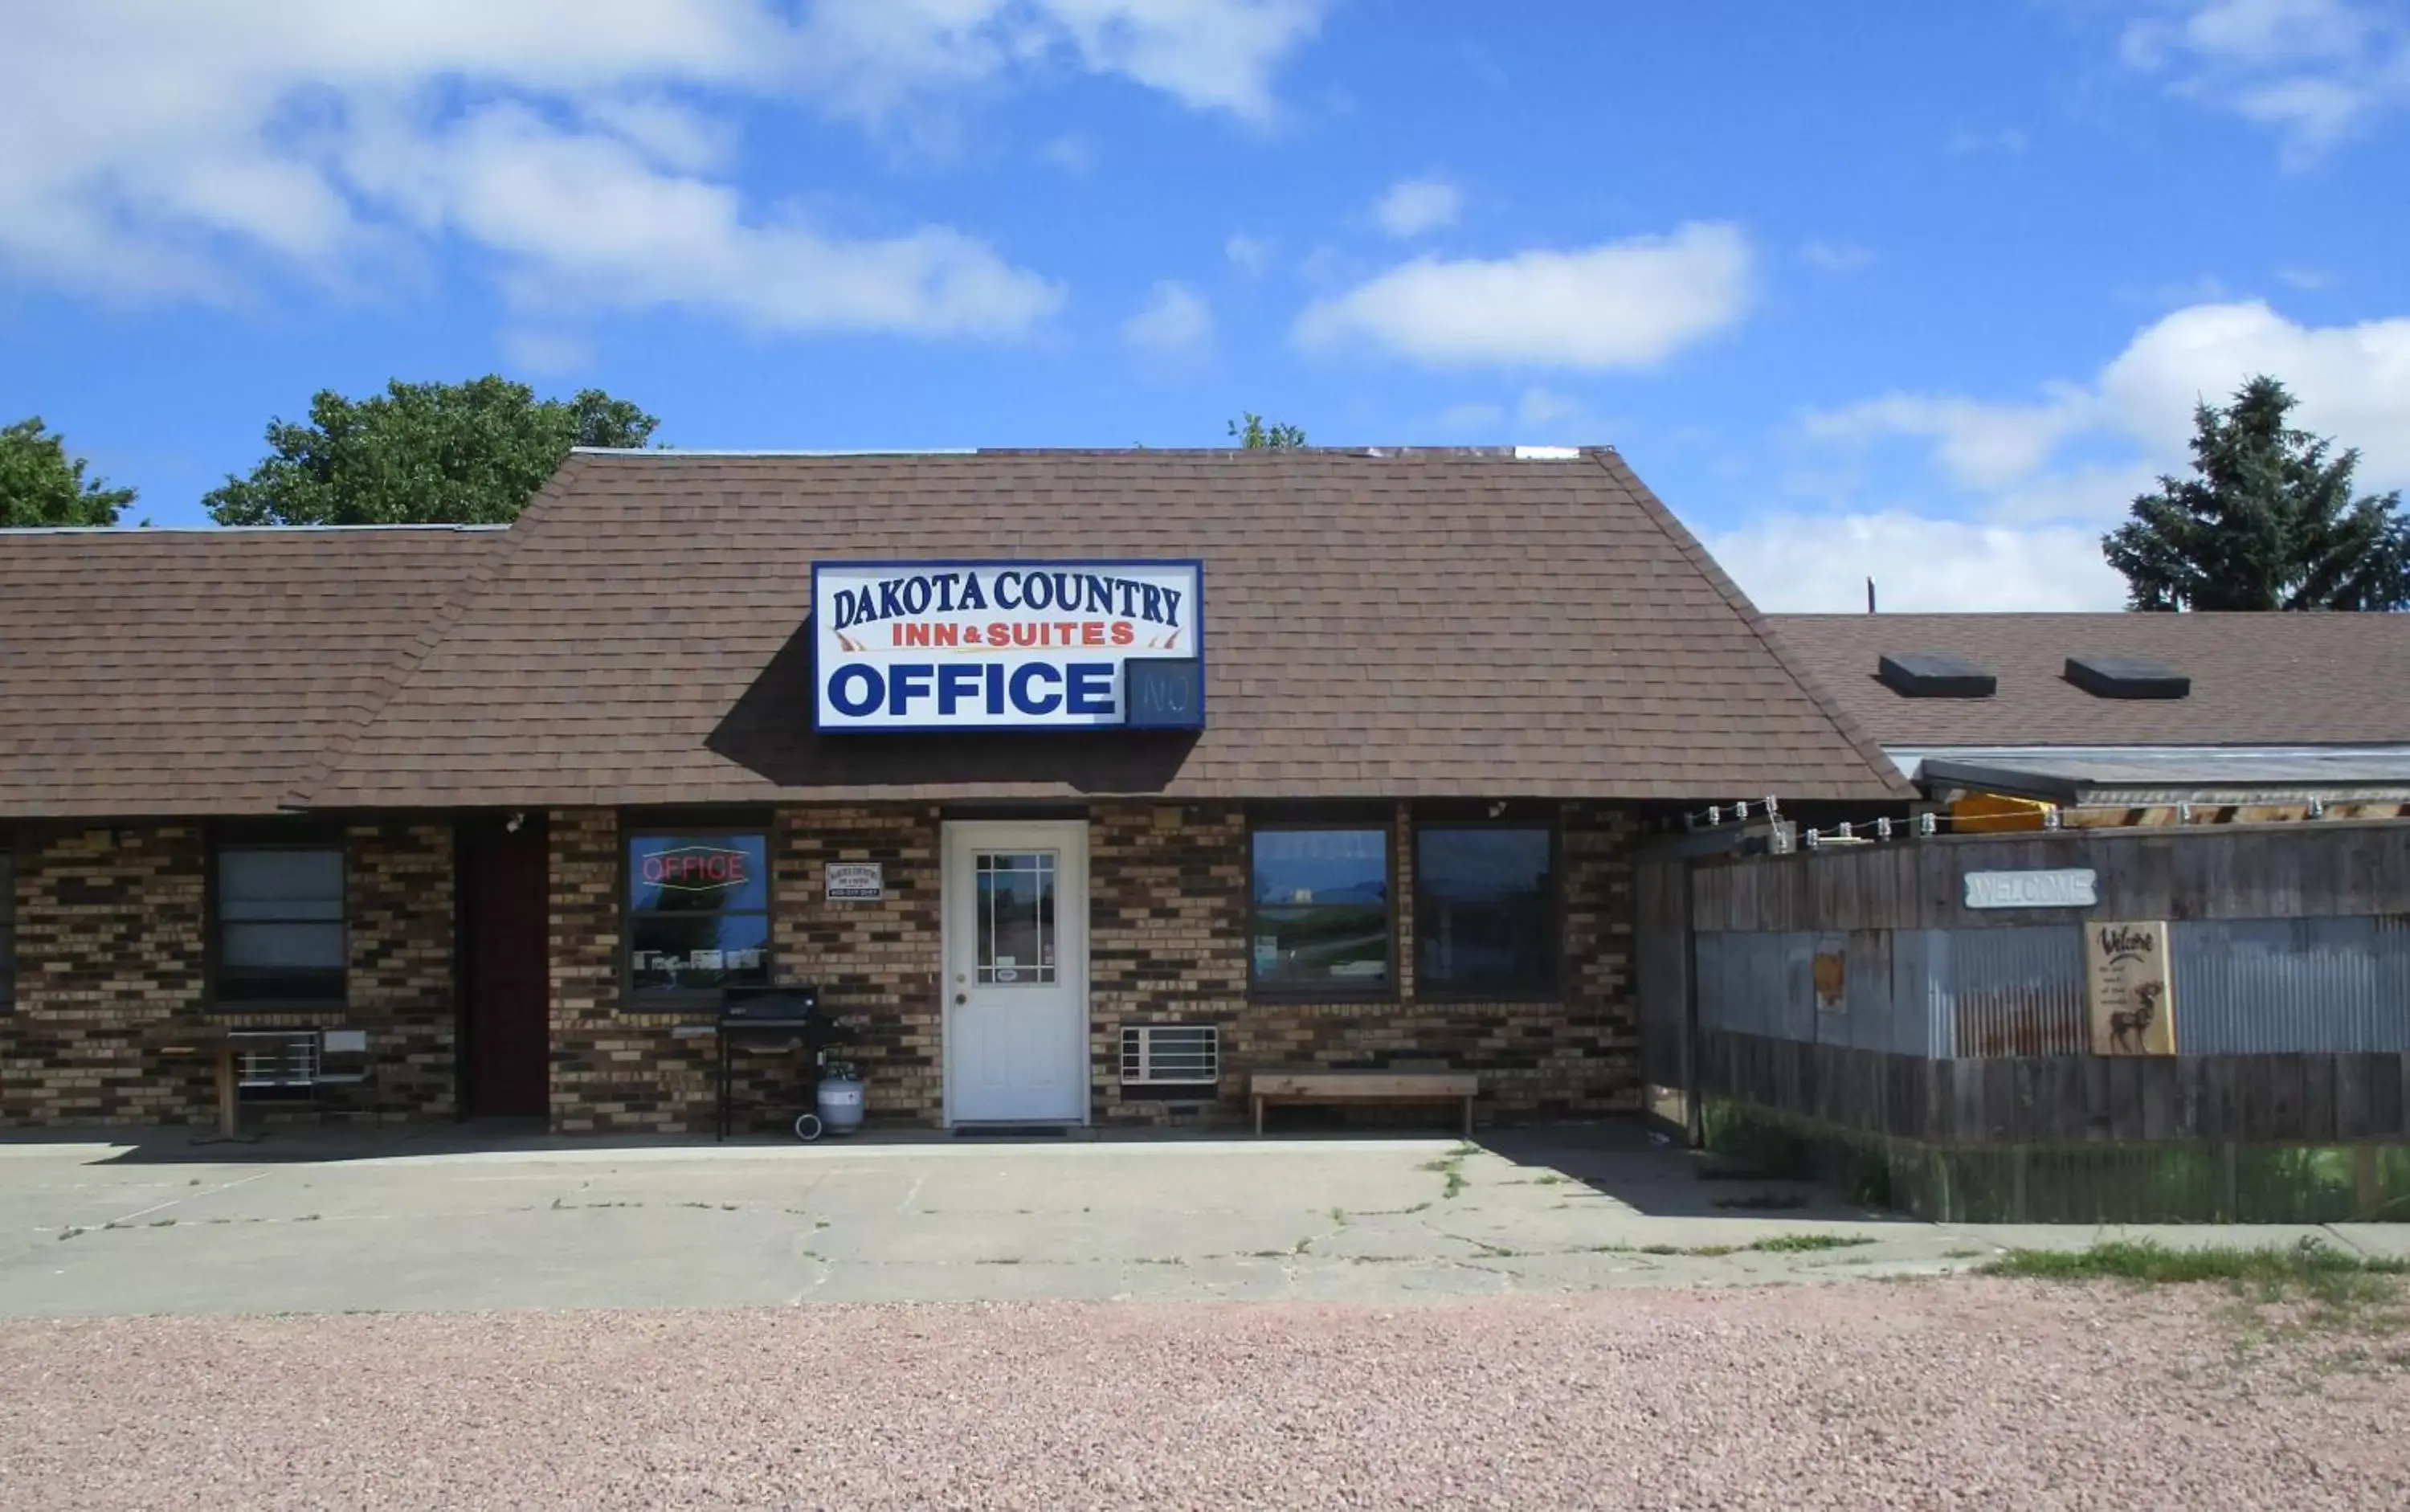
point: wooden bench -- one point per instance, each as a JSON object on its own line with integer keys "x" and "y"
{"x": 1368, "y": 1087}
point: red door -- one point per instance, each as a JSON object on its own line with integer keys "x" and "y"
{"x": 503, "y": 924}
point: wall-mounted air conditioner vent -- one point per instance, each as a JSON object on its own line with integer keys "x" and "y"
{"x": 1174, "y": 1054}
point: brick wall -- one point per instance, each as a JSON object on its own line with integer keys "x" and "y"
{"x": 109, "y": 946}
{"x": 110, "y": 954}
{"x": 1167, "y": 943}
{"x": 876, "y": 964}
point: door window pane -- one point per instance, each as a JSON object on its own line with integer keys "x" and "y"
{"x": 1321, "y": 914}
{"x": 1485, "y": 909}
{"x": 698, "y": 912}
{"x": 1015, "y": 922}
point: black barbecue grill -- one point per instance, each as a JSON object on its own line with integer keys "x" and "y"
{"x": 762, "y": 1015}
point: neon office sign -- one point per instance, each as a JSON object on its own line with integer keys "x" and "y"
{"x": 1008, "y": 646}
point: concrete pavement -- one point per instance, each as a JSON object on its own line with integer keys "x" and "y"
{"x": 468, "y": 1219}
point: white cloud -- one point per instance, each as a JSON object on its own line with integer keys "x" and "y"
{"x": 578, "y": 220}
{"x": 1248, "y": 254}
{"x": 1417, "y": 207}
{"x": 2353, "y": 382}
{"x": 1795, "y": 563}
{"x": 545, "y": 354}
{"x": 1835, "y": 256}
{"x": 1625, "y": 304}
{"x": 1072, "y": 153}
{"x": 873, "y": 57}
{"x": 2317, "y": 71}
{"x": 1174, "y": 321}
{"x": 1541, "y": 408}
{"x": 156, "y": 149}
{"x": 2034, "y": 481}
{"x": 1981, "y": 445}
{"x": 2306, "y": 279}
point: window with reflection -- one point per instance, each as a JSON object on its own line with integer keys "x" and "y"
{"x": 1484, "y": 911}
{"x": 698, "y": 912}
{"x": 1320, "y": 920}
{"x": 278, "y": 925}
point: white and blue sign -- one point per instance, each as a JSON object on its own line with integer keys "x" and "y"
{"x": 1008, "y": 646}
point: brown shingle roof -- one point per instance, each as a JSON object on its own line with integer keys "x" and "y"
{"x": 203, "y": 672}
{"x": 1376, "y": 624}
{"x": 2258, "y": 679}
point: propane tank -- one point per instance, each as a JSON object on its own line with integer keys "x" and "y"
{"x": 840, "y": 1100}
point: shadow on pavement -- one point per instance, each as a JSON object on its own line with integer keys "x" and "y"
{"x": 1654, "y": 1175}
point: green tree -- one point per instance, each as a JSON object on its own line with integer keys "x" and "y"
{"x": 41, "y": 485}
{"x": 1255, "y": 436}
{"x": 450, "y": 454}
{"x": 2267, "y": 521}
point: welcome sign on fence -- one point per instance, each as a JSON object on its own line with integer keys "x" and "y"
{"x": 901, "y": 646}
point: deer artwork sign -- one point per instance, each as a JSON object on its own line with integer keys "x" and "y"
{"x": 2131, "y": 988}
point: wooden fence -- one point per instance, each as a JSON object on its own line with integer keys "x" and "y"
{"x": 1912, "y": 893}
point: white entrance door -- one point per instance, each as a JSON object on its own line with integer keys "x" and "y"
{"x": 1016, "y": 943}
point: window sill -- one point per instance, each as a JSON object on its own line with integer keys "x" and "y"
{"x": 1502, "y": 995}
{"x": 1289, "y": 998}
{"x": 278, "y": 1008}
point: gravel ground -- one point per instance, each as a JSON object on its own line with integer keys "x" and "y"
{"x": 1964, "y": 1393}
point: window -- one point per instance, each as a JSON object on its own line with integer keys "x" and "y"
{"x": 7, "y": 928}
{"x": 1015, "y": 917}
{"x": 279, "y": 930}
{"x": 698, "y": 912}
{"x": 1484, "y": 911}
{"x": 1321, "y": 916}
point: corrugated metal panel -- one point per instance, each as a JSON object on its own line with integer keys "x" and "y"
{"x": 2015, "y": 991}
{"x": 2271, "y": 986}
{"x": 1742, "y": 982}
{"x": 1921, "y": 1023}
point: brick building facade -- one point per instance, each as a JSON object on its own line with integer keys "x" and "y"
{"x": 495, "y": 812}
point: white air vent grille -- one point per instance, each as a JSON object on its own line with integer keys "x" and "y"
{"x": 275, "y": 1057}
{"x": 1184, "y": 1054}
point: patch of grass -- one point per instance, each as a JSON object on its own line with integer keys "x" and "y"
{"x": 1450, "y": 1167}
{"x": 1002, "y": 1259}
{"x": 1339, "y": 1216}
{"x": 2309, "y": 1263}
{"x": 1762, "y": 1202}
{"x": 1775, "y": 1244}
{"x": 2153, "y": 1262}
{"x": 1960, "y": 1254}
{"x": 1800, "y": 1244}
{"x": 1302, "y": 1245}
{"x": 2312, "y": 1288}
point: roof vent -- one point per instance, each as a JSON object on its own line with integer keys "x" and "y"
{"x": 1933, "y": 674}
{"x": 2127, "y": 677}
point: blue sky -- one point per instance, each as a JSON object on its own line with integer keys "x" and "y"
{"x": 1920, "y": 291}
